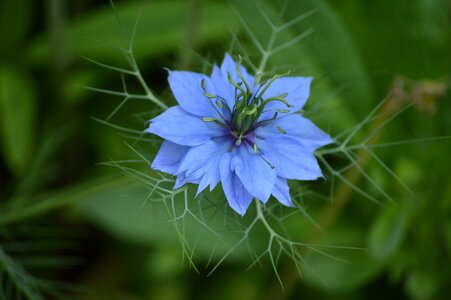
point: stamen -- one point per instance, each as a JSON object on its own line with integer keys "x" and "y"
{"x": 265, "y": 160}
{"x": 238, "y": 141}
{"x": 256, "y": 92}
{"x": 281, "y": 130}
{"x": 236, "y": 85}
{"x": 255, "y": 148}
{"x": 267, "y": 121}
{"x": 251, "y": 111}
{"x": 208, "y": 119}
{"x": 270, "y": 82}
{"x": 250, "y": 105}
{"x": 219, "y": 123}
{"x": 280, "y": 98}
{"x": 238, "y": 71}
{"x": 216, "y": 121}
{"x": 257, "y": 79}
{"x": 210, "y": 96}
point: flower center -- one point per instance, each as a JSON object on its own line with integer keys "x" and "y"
{"x": 249, "y": 105}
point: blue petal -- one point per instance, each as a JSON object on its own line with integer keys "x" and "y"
{"x": 236, "y": 194}
{"x": 187, "y": 90}
{"x": 256, "y": 174}
{"x": 203, "y": 162}
{"x": 229, "y": 66}
{"x": 169, "y": 157}
{"x": 298, "y": 89}
{"x": 180, "y": 127}
{"x": 223, "y": 87}
{"x": 281, "y": 191}
{"x": 181, "y": 180}
{"x": 298, "y": 127}
{"x": 292, "y": 160}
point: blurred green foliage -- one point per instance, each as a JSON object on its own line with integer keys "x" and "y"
{"x": 358, "y": 51}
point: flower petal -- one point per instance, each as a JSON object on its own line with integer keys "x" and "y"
{"x": 180, "y": 127}
{"x": 229, "y": 66}
{"x": 187, "y": 90}
{"x": 281, "y": 191}
{"x": 169, "y": 157}
{"x": 254, "y": 172}
{"x": 181, "y": 180}
{"x": 203, "y": 162}
{"x": 298, "y": 89}
{"x": 223, "y": 87}
{"x": 292, "y": 160}
{"x": 299, "y": 127}
{"x": 236, "y": 194}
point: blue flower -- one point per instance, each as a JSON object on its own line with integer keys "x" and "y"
{"x": 242, "y": 131}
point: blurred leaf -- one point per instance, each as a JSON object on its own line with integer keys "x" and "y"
{"x": 447, "y": 232}
{"x": 422, "y": 285}
{"x": 235, "y": 285}
{"x": 161, "y": 28}
{"x": 16, "y": 281}
{"x": 164, "y": 264}
{"x": 405, "y": 37}
{"x": 17, "y": 118}
{"x": 38, "y": 205}
{"x": 387, "y": 232}
{"x": 125, "y": 213}
{"x": 409, "y": 171}
{"x": 72, "y": 89}
{"x": 335, "y": 50}
{"x": 42, "y": 168}
{"x": 12, "y": 27}
{"x": 340, "y": 81}
{"x": 329, "y": 274}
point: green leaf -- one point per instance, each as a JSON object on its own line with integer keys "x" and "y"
{"x": 124, "y": 212}
{"x": 387, "y": 232}
{"x": 17, "y": 118}
{"x": 334, "y": 49}
{"x": 40, "y": 204}
{"x": 161, "y": 28}
{"x": 12, "y": 27}
{"x": 447, "y": 234}
{"x": 354, "y": 269}
{"x": 422, "y": 285}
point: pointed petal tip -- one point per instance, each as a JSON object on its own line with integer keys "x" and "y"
{"x": 239, "y": 208}
{"x": 227, "y": 55}
{"x": 289, "y": 204}
{"x": 240, "y": 211}
{"x": 286, "y": 202}
{"x": 326, "y": 139}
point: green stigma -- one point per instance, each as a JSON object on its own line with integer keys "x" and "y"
{"x": 248, "y": 106}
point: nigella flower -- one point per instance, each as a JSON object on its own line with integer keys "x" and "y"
{"x": 244, "y": 132}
